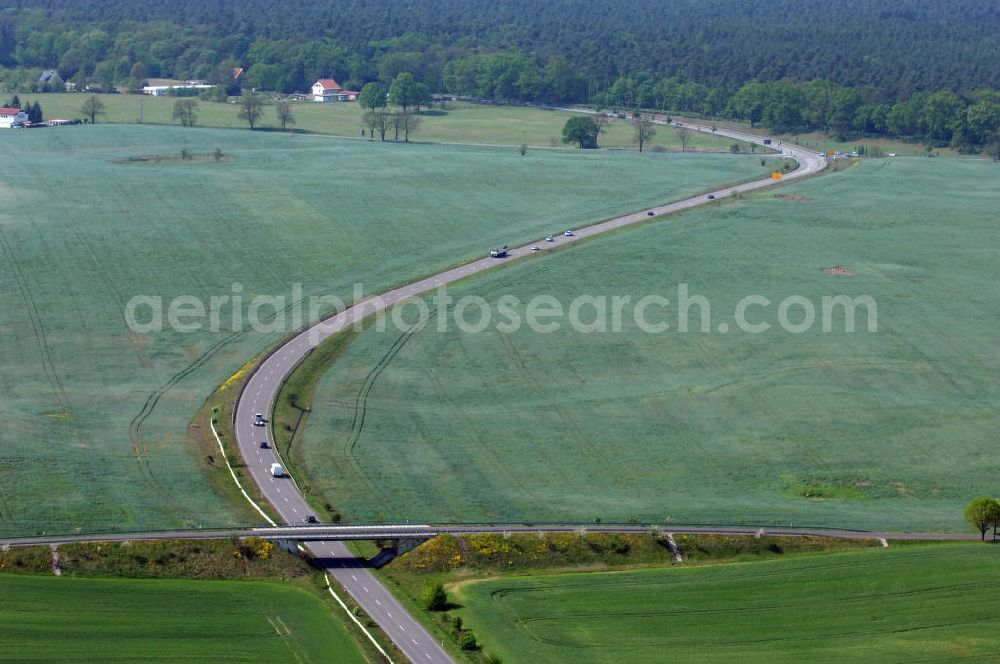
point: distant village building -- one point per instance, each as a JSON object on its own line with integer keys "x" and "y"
{"x": 159, "y": 87}
{"x": 12, "y": 117}
{"x": 327, "y": 89}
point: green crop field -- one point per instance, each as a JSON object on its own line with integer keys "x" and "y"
{"x": 456, "y": 123}
{"x": 49, "y": 619}
{"x": 892, "y": 429}
{"x": 95, "y": 416}
{"x": 926, "y": 604}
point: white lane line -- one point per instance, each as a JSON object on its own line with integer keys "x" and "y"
{"x": 364, "y": 588}
{"x": 354, "y": 577}
{"x": 413, "y": 641}
{"x": 427, "y": 655}
{"x": 378, "y": 603}
{"x": 388, "y": 614}
{"x": 402, "y": 628}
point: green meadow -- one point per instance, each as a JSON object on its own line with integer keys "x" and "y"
{"x": 918, "y": 603}
{"x": 890, "y": 429}
{"x": 50, "y": 619}
{"x": 455, "y": 123}
{"x": 96, "y": 416}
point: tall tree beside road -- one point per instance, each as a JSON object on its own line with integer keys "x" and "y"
{"x": 601, "y": 120}
{"x": 285, "y": 116}
{"x": 92, "y": 108}
{"x": 251, "y": 109}
{"x": 684, "y": 136}
{"x": 582, "y": 130}
{"x": 185, "y": 111}
{"x": 645, "y": 130}
{"x": 983, "y": 513}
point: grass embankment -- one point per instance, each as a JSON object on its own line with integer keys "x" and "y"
{"x": 926, "y": 603}
{"x": 96, "y": 413}
{"x": 457, "y": 561}
{"x": 218, "y": 599}
{"x": 456, "y": 123}
{"x": 889, "y": 429}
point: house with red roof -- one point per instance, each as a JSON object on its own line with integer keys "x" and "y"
{"x": 12, "y": 117}
{"x": 327, "y": 89}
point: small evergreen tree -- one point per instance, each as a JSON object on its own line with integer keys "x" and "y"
{"x": 434, "y": 597}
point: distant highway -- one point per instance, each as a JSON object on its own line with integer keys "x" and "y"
{"x": 262, "y": 388}
{"x": 401, "y": 531}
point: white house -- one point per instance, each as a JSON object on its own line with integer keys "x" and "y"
{"x": 10, "y": 117}
{"x": 327, "y": 89}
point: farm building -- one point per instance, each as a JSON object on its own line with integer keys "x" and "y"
{"x": 327, "y": 89}
{"x": 12, "y": 117}
{"x": 159, "y": 87}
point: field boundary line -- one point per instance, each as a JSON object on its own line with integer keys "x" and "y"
{"x": 236, "y": 479}
{"x": 357, "y": 622}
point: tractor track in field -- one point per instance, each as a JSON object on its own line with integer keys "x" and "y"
{"x": 361, "y": 400}
{"x": 38, "y": 326}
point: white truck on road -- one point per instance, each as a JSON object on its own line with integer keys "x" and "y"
{"x": 277, "y": 470}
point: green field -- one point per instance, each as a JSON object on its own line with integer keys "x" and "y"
{"x": 912, "y": 604}
{"x": 49, "y": 619}
{"x": 80, "y": 235}
{"x": 456, "y": 123}
{"x": 894, "y": 429}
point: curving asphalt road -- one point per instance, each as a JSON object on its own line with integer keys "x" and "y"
{"x": 262, "y": 388}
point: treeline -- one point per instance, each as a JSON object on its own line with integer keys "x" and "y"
{"x": 970, "y": 121}
{"x": 920, "y": 69}
{"x": 897, "y": 50}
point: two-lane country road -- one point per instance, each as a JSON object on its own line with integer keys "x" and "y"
{"x": 263, "y": 385}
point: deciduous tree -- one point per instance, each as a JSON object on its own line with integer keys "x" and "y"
{"x": 582, "y": 130}
{"x": 251, "y": 109}
{"x": 185, "y": 111}
{"x": 92, "y": 108}
{"x": 644, "y": 129}
{"x": 285, "y": 116}
{"x": 404, "y": 91}
{"x": 982, "y": 514}
{"x": 434, "y": 597}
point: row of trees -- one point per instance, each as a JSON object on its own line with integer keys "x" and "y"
{"x": 970, "y": 121}
{"x": 586, "y": 130}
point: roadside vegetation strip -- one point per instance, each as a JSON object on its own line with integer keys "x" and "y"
{"x": 923, "y": 602}
{"x": 225, "y": 459}
{"x": 357, "y": 622}
{"x": 437, "y": 442}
